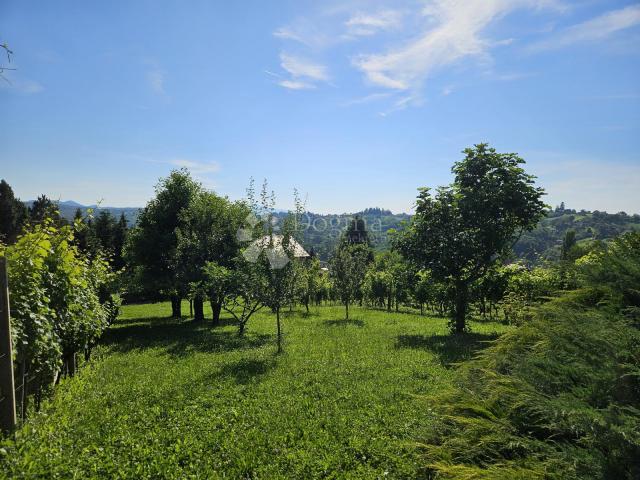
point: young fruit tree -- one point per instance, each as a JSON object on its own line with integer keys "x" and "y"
{"x": 462, "y": 230}
{"x": 348, "y": 269}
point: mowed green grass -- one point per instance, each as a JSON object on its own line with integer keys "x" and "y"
{"x": 167, "y": 398}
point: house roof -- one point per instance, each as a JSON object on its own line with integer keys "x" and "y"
{"x": 265, "y": 242}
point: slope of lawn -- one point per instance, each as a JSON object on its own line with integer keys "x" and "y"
{"x": 167, "y": 398}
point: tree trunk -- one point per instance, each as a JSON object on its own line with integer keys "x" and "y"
{"x": 70, "y": 362}
{"x": 198, "y": 309}
{"x": 279, "y": 330}
{"x": 191, "y": 307}
{"x": 176, "y": 307}
{"x": 241, "y": 326}
{"x": 461, "y": 307}
{"x": 421, "y": 308}
{"x": 346, "y": 306}
{"x": 216, "y": 308}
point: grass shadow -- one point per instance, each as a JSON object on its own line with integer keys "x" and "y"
{"x": 344, "y": 322}
{"x": 245, "y": 371}
{"x": 451, "y": 349}
{"x": 177, "y": 338}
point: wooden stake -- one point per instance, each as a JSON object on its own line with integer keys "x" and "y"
{"x": 7, "y": 388}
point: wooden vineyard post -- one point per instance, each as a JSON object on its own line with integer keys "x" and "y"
{"x": 7, "y": 391}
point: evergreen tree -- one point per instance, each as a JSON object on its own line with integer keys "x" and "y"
{"x": 42, "y": 208}
{"x": 13, "y": 214}
{"x": 119, "y": 238}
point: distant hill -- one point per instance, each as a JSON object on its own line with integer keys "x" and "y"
{"x": 545, "y": 240}
{"x": 322, "y": 232}
{"x": 68, "y": 210}
{"x": 542, "y": 243}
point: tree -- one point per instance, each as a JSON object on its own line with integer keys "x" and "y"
{"x": 308, "y": 281}
{"x": 152, "y": 245}
{"x": 239, "y": 291}
{"x": 119, "y": 240}
{"x": 208, "y": 233}
{"x": 568, "y": 242}
{"x": 43, "y": 208}
{"x": 348, "y": 269}
{"x": 356, "y": 233}
{"x": 13, "y": 214}
{"x": 460, "y": 232}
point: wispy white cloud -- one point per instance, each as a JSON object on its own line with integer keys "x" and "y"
{"x": 596, "y": 29}
{"x": 303, "y": 74}
{"x": 155, "y": 79}
{"x": 374, "y": 97}
{"x": 452, "y": 32}
{"x": 296, "y": 85}
{"x": 197, "y": 168}
{"x": 306, "y": 33}
{"x": 365, "y": 24}
{"x": 300, "y": 67}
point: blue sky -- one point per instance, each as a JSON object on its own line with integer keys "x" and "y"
{"x": 355, "y": 103}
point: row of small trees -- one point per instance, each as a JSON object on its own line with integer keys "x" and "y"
{"x": 191, "y": 243}
{"x": 61, "y": 301}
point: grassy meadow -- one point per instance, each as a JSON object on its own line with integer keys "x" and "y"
{"x": 165, "y": 398}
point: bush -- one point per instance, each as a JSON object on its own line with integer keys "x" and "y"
{"x": 560, "y": 396}
{"x": 557, "y": 398}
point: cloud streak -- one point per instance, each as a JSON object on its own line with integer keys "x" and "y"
{"x": 366, "y": 24}
{"x": 593, "y": 30}
{"x": 452, "y": 32}
{"x": 304, "y": 74}
{"x": 197, "y": 168}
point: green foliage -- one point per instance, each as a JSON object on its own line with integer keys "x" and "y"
{"x": 460, "y": 232}
{"x": 13, "y": 214}
{"x": 174, "y": 399}
{"x": 152, "y": 245}
{"x": 616, "y": 269}
{"x": 560, "y": 396}
{"x": 556, "y": 398}
{"x": 388, "y": 280}
{"x": 544, "y": 243}
{"x": 56, "y": 303}
{"x": 348, "y": 269}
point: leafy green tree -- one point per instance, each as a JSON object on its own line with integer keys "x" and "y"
{"x": 460, "y": 232}
{"x": 208, "y": 233}
{"x": 348, "y": 270}
{"x": 423, "y": 289}
{"x": 308, "y": 281}
{"x": 152, "y": 245}
{"x": 278, "y": 254}
{"x": 13, "y": 214}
